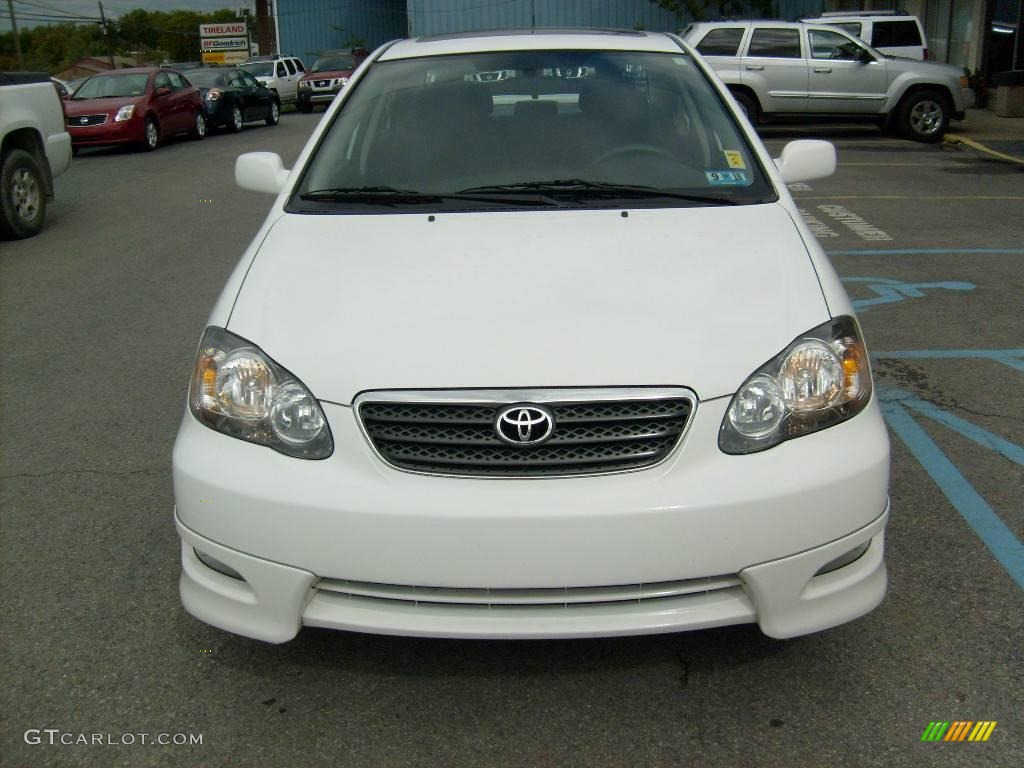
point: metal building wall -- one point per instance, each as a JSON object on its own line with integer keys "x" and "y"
{"x": 306, "y": 27}
{"x": 432, "y": 17}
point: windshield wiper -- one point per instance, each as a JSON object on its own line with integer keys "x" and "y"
{"x": 386, "y": 195}
{"x": 596, "y": 189}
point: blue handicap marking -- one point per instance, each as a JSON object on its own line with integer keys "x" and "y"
{"x": 900, "y": 409}
{"x": 889, "y": 291}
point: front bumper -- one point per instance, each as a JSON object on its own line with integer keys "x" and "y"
{"x": 758, "y": 526}
{"x": 110, "y": 132}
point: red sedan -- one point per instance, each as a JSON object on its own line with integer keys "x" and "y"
{"x": 134, "y": 106}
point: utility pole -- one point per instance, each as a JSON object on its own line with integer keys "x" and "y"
{"x": 17, "y": 40}
{"x": 106, "y": 34}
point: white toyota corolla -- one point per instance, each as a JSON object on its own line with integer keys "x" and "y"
{"x": 532, "y": 343}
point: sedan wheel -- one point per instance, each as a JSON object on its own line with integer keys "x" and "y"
{"x": 275, "y": 113}
{"x": 198, "y": 127}
{"x": 236, "y": 119}
{"x": 151, "y": 135}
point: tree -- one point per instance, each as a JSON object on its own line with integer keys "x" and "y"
{"x": 699, "y": 10}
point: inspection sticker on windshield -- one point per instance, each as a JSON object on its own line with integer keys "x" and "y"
{"x": 734, "y": 158}
{"x": 726, "y": 178}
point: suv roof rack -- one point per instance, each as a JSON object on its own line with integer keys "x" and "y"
{"x": 839, "y": 14}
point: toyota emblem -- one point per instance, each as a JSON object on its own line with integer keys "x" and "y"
{"x": 524, "y": 424}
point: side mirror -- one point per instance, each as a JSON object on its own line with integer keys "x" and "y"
{"x": 806, "y": 160}
{"x": 163, "y": 90}
{"x": 262, "y": 172}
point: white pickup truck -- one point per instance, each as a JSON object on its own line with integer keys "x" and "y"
{"x": 34, "y": 148}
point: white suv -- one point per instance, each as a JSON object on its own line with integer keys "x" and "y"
{"x": 280, "y": 74}
{"x": 471, "y": 379}
{"x": 791, "y": 69}
{"x": 894, "y": 33}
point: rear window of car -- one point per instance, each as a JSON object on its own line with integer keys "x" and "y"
{"x": 775, "y": 43}
{"x": 721, "y": 42}
{"x": 489, "y": 131}
{"x": 290, "y": 65}
{"x": 894, "y": 34}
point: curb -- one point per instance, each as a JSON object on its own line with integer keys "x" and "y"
{"x": 953, "y": 138}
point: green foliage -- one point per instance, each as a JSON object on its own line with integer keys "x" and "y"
{"x": 701, "y": 10}
{"x": 157, "y": 35}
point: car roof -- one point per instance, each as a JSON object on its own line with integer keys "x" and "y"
{"x": 532, "y": 39}
{"x": 128, "y": 71}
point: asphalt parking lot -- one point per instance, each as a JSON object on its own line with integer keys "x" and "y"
{"x": 99, "y": 317}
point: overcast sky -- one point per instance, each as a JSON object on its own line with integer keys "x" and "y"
{"x": 112, "y": 8}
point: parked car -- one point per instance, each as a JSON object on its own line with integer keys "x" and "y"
{"x": 134, "y": 106}
{"x": 789, "y": 69}
{"x": 894, "y": 33}
{"x": 233, "y": 97}
{"x": 34, "y": 148}
{"x": 279, "y": 73}
{"x": 472, "y": 379}
{"x": 328, "y": 75}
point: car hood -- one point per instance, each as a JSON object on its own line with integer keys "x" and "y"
{"x": 698, "y": 297}
{"x": 936, "y": 69}
{"x": 74, "y": 107}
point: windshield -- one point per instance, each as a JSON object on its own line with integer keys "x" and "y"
{"x": 206, "y": 77}
{"x": 112, "y": 86}
{"x": 333, "y": 64}
{"x": 259, "y": 68}
{"x": 510, "y": 129}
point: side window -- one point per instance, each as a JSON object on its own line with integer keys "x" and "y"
{"x": 280, "y": 69}
{"x": 721, "y": 42}
{"x": 161, "y": 81}
{"x": 775, "y": 43}
{"x": 850, "y": 27}
{"x": 298, "y": 65}
{"x": 247, "y": 80}
{"x": 832, "y": 45}
{"x": 177, "y": 81}
{"x": 291, "y": 67}
{"x": 896, "y": 33}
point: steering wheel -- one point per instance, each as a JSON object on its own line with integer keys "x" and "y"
{"x": 635, "y": 149}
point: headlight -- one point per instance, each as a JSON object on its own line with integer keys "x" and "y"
{"x": 236, "y": 389}
{"x": 304, "y": 83}
{"x": 821, "y": 379}
{"x": 341, "y": 82}
{"x": 214, "y": 93}
{"x": 124, "y": 113}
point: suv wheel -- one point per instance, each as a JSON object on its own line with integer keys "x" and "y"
{"x": 22, "y": 195}
{"x": 749, "y": 106}
{"x": 923, "y": 116}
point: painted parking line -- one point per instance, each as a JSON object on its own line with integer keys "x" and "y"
{"x": 952, "y": 138}
{"x": 909, "y": 197}
{"x": 982, "y": 519}
{"x": 929, "y": 252}
{"x": 1014, "y": 358}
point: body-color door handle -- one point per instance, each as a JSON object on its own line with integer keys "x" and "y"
{"x": 755, "y": 67}
{"x": 823, "y": 70}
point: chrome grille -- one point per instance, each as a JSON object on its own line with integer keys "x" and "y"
{"x": 80, "y": 121}
{"x": 596, "y": 431}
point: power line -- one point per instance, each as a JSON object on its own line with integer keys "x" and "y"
{"x": 51, "y": 11}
